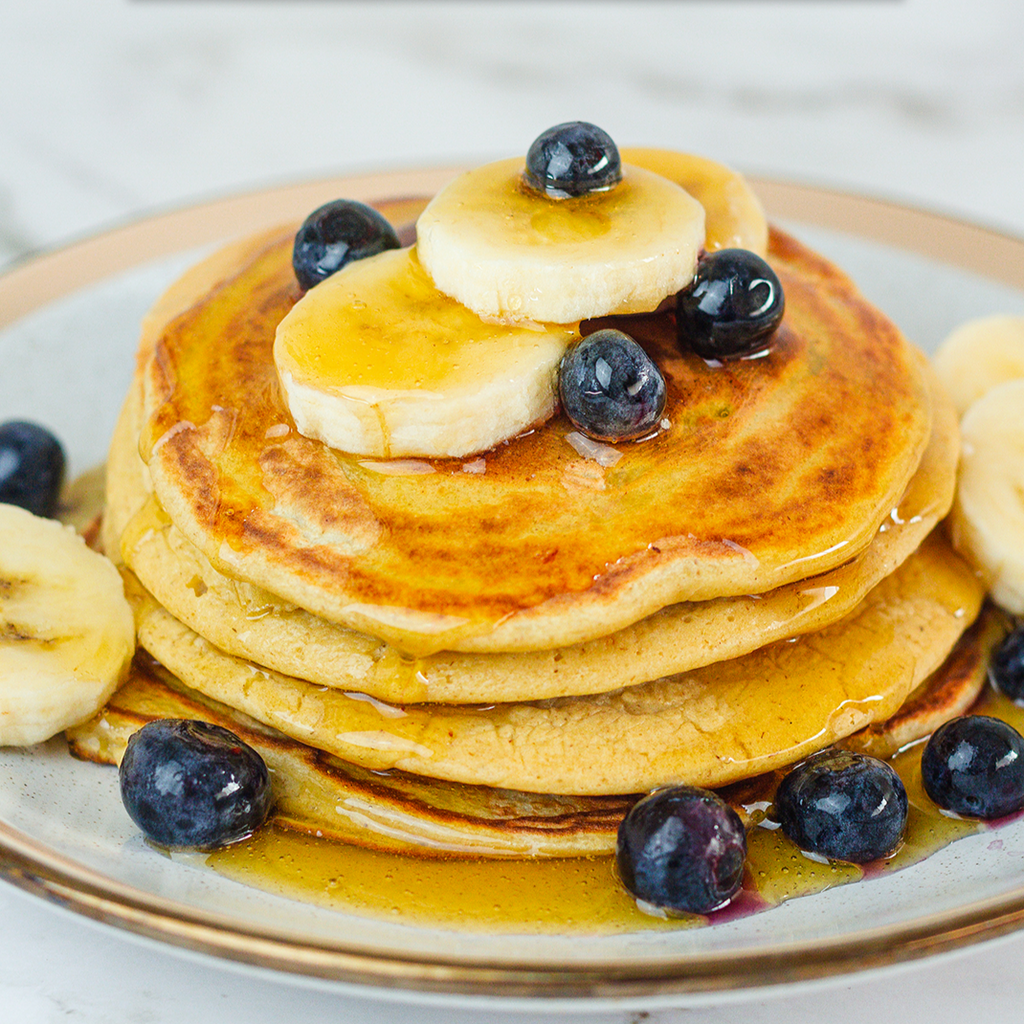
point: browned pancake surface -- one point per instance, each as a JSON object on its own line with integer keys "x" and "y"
{"x": 772, "y": 469}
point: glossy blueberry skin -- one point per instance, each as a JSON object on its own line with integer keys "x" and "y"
{"x": 843, "y": 805}
{"x": 682, "y": 849}
{"x": 974, "y": 766}
{"x": 610, "y": 387}
{"x": 573, "y": 159}
{"x": 733, "y": 304}
{"x": 190, "y": 784}
{"x": 336, "y": 234}
{"x": 31, "y": 467}
{"x": 1006, "y": 669}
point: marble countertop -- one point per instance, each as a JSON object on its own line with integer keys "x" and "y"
{"x": 114, "y": 109}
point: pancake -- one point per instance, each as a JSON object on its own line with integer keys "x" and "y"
{"x": 329, "y": 798}
{"x": 253, "y": 624}
{"x": 772, "y": 470}
{"x": 707, "y": 727}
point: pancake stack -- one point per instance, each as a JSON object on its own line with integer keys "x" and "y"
{"x": 496, "y": 653}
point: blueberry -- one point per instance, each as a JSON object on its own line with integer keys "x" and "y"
{"x": 682, "y": 849}
{"x": 843, "y": 805}
{"x": 974, "y": 766}
{"x": 193, "y": 784}
{"x": 1006, "y": 670}
{"x": 610, "y": 388}
{"x": 31, "y": 467}
{"x": 573, "y": 159}
{"x": 338, "y": 233}
{"x": 733, "y": 303}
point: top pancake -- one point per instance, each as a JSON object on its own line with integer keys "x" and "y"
{"x": 772, "y": 470}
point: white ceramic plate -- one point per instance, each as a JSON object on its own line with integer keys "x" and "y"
{"x": 68, "y": 325}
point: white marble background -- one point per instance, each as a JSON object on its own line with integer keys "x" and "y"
{"x": 110, "y": 109}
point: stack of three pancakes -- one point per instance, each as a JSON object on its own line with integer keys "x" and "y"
{"x": 496, "y": 655}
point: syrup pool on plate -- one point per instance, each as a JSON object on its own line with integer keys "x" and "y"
{"x": 567, "y": 895}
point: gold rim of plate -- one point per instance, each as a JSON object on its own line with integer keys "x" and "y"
{"x": 43, "y": 872}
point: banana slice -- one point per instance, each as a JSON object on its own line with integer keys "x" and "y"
{"x": 508, "y": 252}
{"x": 988, "y": 513}
{"x": 67, "y": 633}
{"x": 978, "y": 355}
{"x": 734, "y": 215}
{"x": 376, "y": 361}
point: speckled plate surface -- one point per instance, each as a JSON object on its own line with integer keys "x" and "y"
{"x": 68, "y": 324}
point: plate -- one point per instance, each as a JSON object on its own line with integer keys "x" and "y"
{"x": 68, "y": 322}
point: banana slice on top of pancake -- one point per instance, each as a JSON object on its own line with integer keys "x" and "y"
{"x": 583, "y": 231}
{"x": 734, "y": 216}
{"x": 376, "y": 361}
{"x": 507, "y": 251}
